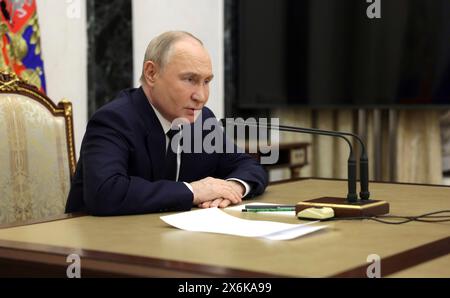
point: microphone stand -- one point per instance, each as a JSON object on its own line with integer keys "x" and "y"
{"x": 343, "y": 207}
{"x": 363, "y": 161}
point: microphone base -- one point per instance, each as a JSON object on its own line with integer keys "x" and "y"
{"x": 343, "y": 208}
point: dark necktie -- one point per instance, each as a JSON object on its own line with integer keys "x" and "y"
{"x": 170, "y": 170}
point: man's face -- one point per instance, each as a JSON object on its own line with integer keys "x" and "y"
{"x": 181, "y": 88}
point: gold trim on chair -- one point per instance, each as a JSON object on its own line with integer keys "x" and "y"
{"x": 10, "y": 83}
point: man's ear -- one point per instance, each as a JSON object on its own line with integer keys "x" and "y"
{"x": 151, "y": 71}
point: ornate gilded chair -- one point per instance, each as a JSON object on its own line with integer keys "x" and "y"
{"x": 37, "y": 155}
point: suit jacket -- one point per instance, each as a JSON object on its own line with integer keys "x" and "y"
{"x": 122, "y": 154}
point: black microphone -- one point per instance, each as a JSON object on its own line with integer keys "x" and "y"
{"x": 351, "y": 207}
{"x": 363, "y": 161}
{"x": 352, "y": 196}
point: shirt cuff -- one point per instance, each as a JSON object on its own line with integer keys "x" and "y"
{"x": 246, "y": 185}
{"x": 189, "y": 186}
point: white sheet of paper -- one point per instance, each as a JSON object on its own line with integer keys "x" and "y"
{"x": 214, "y": 220}
{"x": 278, "y": 213}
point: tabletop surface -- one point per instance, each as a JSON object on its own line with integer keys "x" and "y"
{"x": 342, "y": 246}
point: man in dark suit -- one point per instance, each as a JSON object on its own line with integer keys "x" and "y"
{"x": 127, "y": 163}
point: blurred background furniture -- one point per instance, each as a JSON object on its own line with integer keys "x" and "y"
{"x": 292, "y": 157}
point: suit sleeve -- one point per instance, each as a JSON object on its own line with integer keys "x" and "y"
{"x": 108, "y": 189}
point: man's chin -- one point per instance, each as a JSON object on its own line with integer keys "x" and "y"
{"x": 189, "y": 117}
{"x": 193, "y": 116}
{"x": 197, "y": 114}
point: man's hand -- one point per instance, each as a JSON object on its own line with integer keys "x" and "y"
{"x": 211, "y": 192}
{"x": 238, "y": 186}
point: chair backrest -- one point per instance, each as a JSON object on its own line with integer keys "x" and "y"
{"x": 37, "y": 154}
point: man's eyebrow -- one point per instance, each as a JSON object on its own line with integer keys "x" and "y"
{"x": 193, "y": 74}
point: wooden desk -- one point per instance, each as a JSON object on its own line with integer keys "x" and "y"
{"x": 439, "y": 267}
{"x": 145, "y": 246}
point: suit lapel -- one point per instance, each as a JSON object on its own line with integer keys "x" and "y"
{"x": 155, "y": 138}
{"x": 156, "y": 148}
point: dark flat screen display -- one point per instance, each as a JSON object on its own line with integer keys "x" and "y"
{"x": 330, "y": 53}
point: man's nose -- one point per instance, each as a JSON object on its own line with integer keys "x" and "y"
{"x": 200, "y": 94}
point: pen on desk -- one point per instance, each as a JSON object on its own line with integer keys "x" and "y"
{"x": 268, "y": 209}
{"x": 292, "y": 207}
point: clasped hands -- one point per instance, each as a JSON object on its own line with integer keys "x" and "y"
{"x": 211, "y": 192}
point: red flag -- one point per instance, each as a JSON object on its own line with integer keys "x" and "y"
{"x": 20, "y": 41}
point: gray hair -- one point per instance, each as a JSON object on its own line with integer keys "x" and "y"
{"x": 159, "y": 48}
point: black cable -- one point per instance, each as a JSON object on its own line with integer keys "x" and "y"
{"x": 427, "y": 218}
